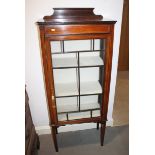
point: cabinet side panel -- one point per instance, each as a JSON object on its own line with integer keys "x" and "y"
{"x": 52, "y": 106}
{"x": 48, "y": 86}
{"x": 107, "y": 73}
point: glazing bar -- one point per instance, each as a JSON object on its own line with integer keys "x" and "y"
{"x": 77, "y": 79}
{"x": 93, "y": 44}
{"x": 63, "y": 47}
{"x": 79, "y": 76}
{"x": 67, "y": 117}
{"x": 91, "y": 113}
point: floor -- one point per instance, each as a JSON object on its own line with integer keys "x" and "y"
{"x": 87, "y": 142}
{"x": 121, "y": 105}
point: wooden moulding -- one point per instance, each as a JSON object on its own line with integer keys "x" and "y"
{"x": 70, "y": 14}
{"x": 79, "y": 121}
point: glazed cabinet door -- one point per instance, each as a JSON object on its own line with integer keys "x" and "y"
{"x": 78, "y": 71}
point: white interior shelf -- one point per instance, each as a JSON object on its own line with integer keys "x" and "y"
{"x": 64, "y": 62}
{"x": 85, "y": 106}
{"x": 69, "y": 89}
{"x": 73, "y": 62}
{"x": 66, "y": 89}
{"x": 66, "y": 107}
{"x": 70, "y": 106}
{"x": 92, "y": 87}
{"x": 91, "y": 61}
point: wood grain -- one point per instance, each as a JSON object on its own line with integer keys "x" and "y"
{"x": 76, "y": 29}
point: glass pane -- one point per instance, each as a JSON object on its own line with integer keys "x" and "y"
{"x": 56, "y": 46}
{"x": 76, "y": 45}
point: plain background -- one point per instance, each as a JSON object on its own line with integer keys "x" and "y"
{"x": 142, "y": 83}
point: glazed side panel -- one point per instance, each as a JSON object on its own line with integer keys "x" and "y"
{"x": 107, "y": 74}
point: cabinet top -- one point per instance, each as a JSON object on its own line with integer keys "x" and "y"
{"x": 65, "y": 16}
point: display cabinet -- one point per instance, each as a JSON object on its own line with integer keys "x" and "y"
{"x": 77, "y": 48}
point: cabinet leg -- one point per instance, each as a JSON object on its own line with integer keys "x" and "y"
{"x": 97, "y": 125}
{"x": 103, "y": 126}
{"x": 38, "y": 142}
{"x": 54, "y": 138}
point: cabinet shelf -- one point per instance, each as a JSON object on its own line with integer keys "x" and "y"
{"x": 74, "y": 108}
{"x": 64, "y": 63}
{"x": 66, "y": 89}
{"x": 71, "y": 89}
{"x": 71, "y": 62}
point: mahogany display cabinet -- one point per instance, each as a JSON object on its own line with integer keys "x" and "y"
{"x": 77, "y": 48}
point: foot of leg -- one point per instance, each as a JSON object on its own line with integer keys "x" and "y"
{"x": 54, "y": 138}
{"x": 103, "y": 126}
{"x": 38, "y": 143}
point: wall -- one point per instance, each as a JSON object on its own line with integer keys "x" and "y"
{"x": 36, "y": 9}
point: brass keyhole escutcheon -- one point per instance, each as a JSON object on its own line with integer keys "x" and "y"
{"x": 52, "y": 97}
{"x": 53, "y": 30}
